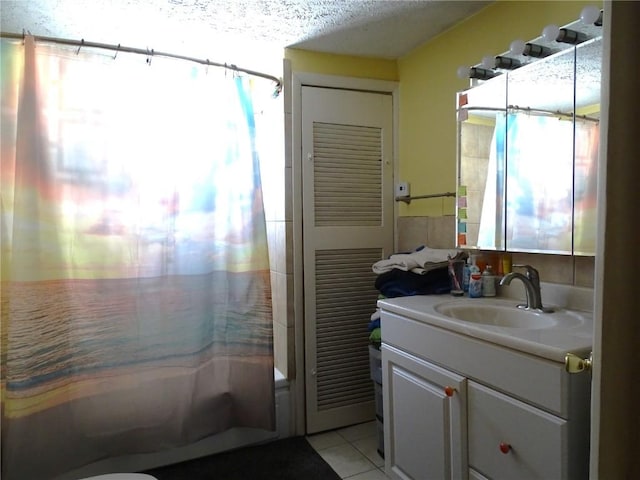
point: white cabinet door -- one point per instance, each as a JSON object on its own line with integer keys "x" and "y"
{"x": 424, "y": 418}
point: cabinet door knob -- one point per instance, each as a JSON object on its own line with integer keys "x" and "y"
{"x": 449, "y": 391}
{"x": 505, "y": 447}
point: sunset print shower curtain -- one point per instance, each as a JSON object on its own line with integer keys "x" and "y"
{"x": 135, "y": 292}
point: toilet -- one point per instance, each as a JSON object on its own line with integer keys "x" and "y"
{"x": 122, "y": 476}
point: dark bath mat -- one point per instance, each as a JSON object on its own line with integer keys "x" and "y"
{"x": 287, "y": 459}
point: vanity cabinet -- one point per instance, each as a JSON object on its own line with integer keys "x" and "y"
{"x": 426, "y": 408}
{"x": 457, "y": 407}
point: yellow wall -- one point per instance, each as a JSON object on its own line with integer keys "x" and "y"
{"x": 428, "y": 86}
{"x": 343, "y": 65}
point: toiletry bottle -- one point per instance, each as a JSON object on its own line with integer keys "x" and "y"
{"x": 506, "y": 263}
{"x": 475, "y": 285}
{"x": 474, "y": 264}
{"x": 488, "y": 282}
{"x": 475, "y": 270}
{"x": 466, "y": 274}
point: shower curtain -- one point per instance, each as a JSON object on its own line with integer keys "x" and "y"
{"x": 136, "y": 308}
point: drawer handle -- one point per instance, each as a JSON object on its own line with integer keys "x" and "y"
{"x": 505, "y": 447}
{"x": 449, "y": 391}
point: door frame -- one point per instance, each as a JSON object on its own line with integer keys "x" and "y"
{"x": 293, "y": 138}
{"x": 615, "y": 395}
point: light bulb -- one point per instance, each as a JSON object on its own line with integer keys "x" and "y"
{"x": 517, "y": 47}
{"x": 551, "y": 32}
{"x": 488, "y": 61}
{"x": 589, "y": 14}
{"x": 463, "y": 72}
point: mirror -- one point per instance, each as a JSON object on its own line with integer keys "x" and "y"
{"x": 587, "y": 135}
{"x": 481, "y": 119}
{"x": 539, "y": 155}
{"x": 527, "y": 156}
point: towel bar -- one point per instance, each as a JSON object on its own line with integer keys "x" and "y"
{"x": 408, "y": 199}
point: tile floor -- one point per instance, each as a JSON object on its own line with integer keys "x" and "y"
{"x": 351, "y": 451}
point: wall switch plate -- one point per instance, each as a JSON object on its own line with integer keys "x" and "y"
{"x": 402, "y": 189}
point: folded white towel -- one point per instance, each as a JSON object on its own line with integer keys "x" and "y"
{"x": 421, "y": 261}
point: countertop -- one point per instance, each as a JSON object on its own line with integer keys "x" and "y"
{"x": 551, "y": 343}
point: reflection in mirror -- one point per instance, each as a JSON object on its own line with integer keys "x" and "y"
{"x": 481, "y": 195}
{"x": 588, "y": 76}
{"x": 539, "y": 156}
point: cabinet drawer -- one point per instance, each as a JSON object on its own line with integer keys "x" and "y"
{"x": 536, "y": 439}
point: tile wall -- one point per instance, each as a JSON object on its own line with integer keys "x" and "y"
{"x": 277, "y": 189}
{"x": 439, "y": 232}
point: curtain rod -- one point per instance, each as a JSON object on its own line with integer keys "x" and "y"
{"x": 146, "y": 51}
{"x": 541, "y": 111}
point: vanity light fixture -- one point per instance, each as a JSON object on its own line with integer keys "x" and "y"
{"x": 598, "y": 22}
{"x": 591, "y": 15}
{"x": 503, "y": 63}
{"x": 518, "y": 47}
{"x": 478, "y": 73}
{"x": 507, "y": 63}
{"x": 553, "y": 33}
{"x": 536, "y": 51}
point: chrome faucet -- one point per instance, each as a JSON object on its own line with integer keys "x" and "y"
{"x": 531, "y": 281}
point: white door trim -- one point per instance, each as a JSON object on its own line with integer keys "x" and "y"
{"x": 293, "y": 138}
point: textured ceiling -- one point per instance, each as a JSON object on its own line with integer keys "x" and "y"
{"x": 216, "y": 29}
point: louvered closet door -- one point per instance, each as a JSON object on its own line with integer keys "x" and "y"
{"x": 347, "y": 226}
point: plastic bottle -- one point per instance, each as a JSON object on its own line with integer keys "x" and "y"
{"x": 475, "y": 285}
{"x": 506, "y": 263}
{"x": 473, "y": 268}
{"x": 466, "y": 274}
{"x": 475, "y": 290}
{"x": 488, "y": 282}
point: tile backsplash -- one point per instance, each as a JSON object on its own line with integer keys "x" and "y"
{"x": 439, "y": 232}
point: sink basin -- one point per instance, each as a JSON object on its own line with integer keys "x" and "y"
{"x": 501, "y": 315}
